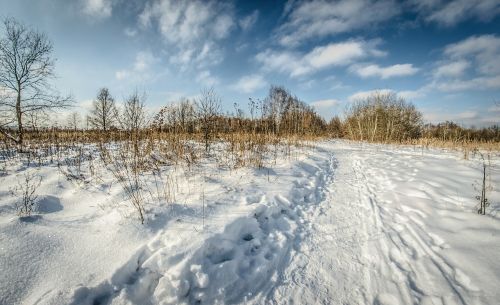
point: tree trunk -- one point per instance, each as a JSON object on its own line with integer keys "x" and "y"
{"x": 19, "y": 120}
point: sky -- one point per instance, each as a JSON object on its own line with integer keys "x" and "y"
{"x": 443, "y": 56}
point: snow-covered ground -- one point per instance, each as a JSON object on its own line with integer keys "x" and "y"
{"x": 340, "y": 223}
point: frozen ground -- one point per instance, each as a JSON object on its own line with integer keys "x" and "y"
{"x": 341, "y": 223}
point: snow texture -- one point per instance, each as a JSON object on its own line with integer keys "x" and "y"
{"x": 340, "y": 223}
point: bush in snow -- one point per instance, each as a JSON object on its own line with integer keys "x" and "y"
{"x": 26, "y": 192}
{"x": 383, "y": 117}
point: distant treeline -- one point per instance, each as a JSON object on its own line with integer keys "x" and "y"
{"x": 380, "y": 117}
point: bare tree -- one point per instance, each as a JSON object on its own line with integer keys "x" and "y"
{"x": 74, "y": 120}
{"x": 208, "y": 108}
{"x": 278, "y": 104}
{"x": 26, "y": 67}
{"x": 177, "y": 117}
{"x": 104, "y": 114}
{"x": 134, "y": 112}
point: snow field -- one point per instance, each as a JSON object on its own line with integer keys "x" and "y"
{"x": 340, "y": 223}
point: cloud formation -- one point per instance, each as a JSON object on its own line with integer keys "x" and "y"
{"x": 250, "y": 83}
{"x": 483, "y": 51}
{"x": 321, "y": 57}
{"x": 193, "y": 28}
{"x": 451, "y": 69}
{"x": 478, "y": 53}
{"x": 448, "y": 13}
{"x": 141, "y": 69}
{"x": 249, "y": 21}
{"x": 206, "y": 78}
{"x": 361, "y": 95}
{"x": 325, "y": 104}
{"x": 374, "y": 70}
{"x": 97, "y": 8}
{"x": 306, "y": 20}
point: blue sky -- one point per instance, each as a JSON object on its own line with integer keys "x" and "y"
{"x": 441, "y": 55}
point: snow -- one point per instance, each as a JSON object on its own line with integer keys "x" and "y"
{"x": 338, "y": 223}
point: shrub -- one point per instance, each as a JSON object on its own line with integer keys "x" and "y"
{"x": 383, "y": 117}
{"x": 26, "y": 191}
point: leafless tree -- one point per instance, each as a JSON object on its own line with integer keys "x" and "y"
{"x": 134, "y": 112}
{"x": 74, "y": 120}
{"x": 278, "y": 103}
{"x": 208, "y": 107}
{"x": 186, "y": 115}
{"x": 104, "y": 114}
{"x": 177, "y": 117}
{"x": 26, "y": 68}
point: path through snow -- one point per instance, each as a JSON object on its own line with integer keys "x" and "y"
{"x": 396, "y": 227}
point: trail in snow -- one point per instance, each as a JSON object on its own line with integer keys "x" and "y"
{"x": 388, "y": 233}
{"x": 244, "y": 261}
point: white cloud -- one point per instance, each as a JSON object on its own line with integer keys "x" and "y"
{"x": 442, "y": 116}
{"x": 192, "y": 29}
{"x": 97, "y": 8}
{"x": 248, "y": 21}
{"x": 143, "y": 61}
{"x": 452, "y": 12}
{"x": 184, "y": 22}
{"x": 286, "y": 62}
{"x": 478, "y": 54}
{"x": 321, "y": 18}
{"x": 199, "y": 57}
{"x": 250, "y": 83}
{"x": 412, "y": 94}
{"x": 384, "y": 72}
{"x": 406, "y": 94}
{"x": 222, "y": 26}
{"x": 483, "y": 50}
{"x": 122, "y": 74}
{"x": 361, "y": 95}
{"x": 474, "y": 45}
{"x": 451, "y": 69}
{"x": 85, "y": 105}
{"x": 206, "y": 78}
{"x": 478, "y": 83}
{"x": 322, "y": 104}
{"x": 333, "y": 54}
{"x": 141, "y": 69}
{"x": 130, "y": 32}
